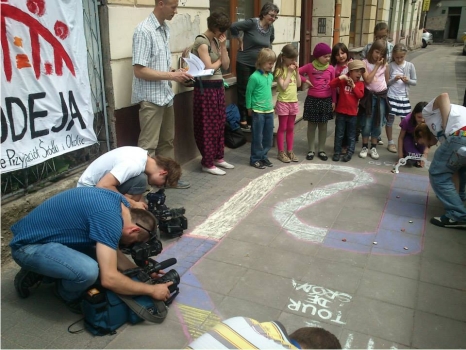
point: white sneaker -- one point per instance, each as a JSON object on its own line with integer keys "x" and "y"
{"x": 373, "y": 153}
{"x": 380, "y": 142}
{"x": 213, "y": 171}
{"x": 363, "y": 153}
{"x": 224, "y": 164}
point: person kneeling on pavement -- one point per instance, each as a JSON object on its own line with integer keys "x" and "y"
{"x": 445, "y": 122}
{"x": 128, "y": 170}
{"x": 74, "y": 238}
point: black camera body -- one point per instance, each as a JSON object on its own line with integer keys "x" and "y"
{"x": 141, "y": 253}
{"x": 170, "y": 221}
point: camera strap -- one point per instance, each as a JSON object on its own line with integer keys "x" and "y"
{"x": 157, "y": 315}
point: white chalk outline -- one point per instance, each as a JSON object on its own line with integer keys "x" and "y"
{"x": 227, "y": 216}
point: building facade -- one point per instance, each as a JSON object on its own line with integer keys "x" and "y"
{"x": 301, "y": 22}
{"x": 446, "y": 20}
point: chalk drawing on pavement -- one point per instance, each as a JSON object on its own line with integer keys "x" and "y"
{"x": 402, "y": 222}
{"x": 320, "y": 302}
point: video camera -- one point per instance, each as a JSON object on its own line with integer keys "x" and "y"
{"x": 170, "y": 221}
{"x": 141, "y": 253}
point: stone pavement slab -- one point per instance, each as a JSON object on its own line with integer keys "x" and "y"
{"x": 308, "y": 244}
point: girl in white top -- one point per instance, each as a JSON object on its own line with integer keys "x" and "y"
{"x": 402, "y": 74}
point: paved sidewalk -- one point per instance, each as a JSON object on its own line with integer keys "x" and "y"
{"x": 344, "y": 246}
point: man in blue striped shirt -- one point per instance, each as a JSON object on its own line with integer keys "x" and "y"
{"x": 73, "y": 237}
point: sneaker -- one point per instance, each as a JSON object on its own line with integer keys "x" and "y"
{"x": 74, "y": 305}
{"x": 292, "y": 156}
{"x": 283, "y": 157}
{"x": 380, "y": 142}
{"x": 25, "y": 280}
{"x": 224, "y": 165}
{"x": 373, "y": 153}
{"x": 336, "y": 157}
{"x": 182, "y": 184}
{"x": 392, "y": 148}
{"x": 443, "y": 221}
{"x": 213, "y": 171}
{"x": 363, "y": 153}
{"x": 267, "y": 162}
{"x": 346, "y": 158}
{"x": 258, "y": 165}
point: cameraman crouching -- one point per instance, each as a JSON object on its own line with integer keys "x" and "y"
{"x": 128, "y": 170}
{"x": 73, "y": 237}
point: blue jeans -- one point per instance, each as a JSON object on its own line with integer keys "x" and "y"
{"x": 262, "y": 136}
{"x": 345, "y": 124}
{"x": 74, "y": 271}
{"x": 367, "y": 122}
{"x": 445, "y": 163}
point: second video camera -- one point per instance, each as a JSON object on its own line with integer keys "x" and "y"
{"x": 170, "y": 221}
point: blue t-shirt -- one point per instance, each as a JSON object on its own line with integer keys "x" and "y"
{"x": 77, "y": 218}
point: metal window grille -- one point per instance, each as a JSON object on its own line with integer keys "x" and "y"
{"x": 321, "y": 25}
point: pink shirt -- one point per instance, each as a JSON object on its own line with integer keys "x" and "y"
{"x": 378, "y": 84}
{"x": 320, "y": 80}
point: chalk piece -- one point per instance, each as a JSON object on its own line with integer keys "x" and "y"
{"x": 344, "y": 239}
{"x": 410, "y": 221}
{"x": 403, "y": 230}
{"x": 405, "y": 248}
{"x": 397, "y": 196}
{"x": 374, "y": 243}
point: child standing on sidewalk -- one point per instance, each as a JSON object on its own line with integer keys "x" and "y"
{"x": 381, "y": 33}
{"x": 320, "y": 100}
{"x": 259, "y": 104}
{"x": 288, "y": 81}
{"x": 402, "y": 75}
{"x": 351, "y": 90}
{"x": 339, "y": 60}
{"x": 374, "y": 101}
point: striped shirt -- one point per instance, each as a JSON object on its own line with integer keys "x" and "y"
{"x": 244, "y": 333}
{"x": 77, "y": 218}
{"x": 151, "y": 48}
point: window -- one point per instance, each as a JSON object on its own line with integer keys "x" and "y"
{"x": 238, "y": 10}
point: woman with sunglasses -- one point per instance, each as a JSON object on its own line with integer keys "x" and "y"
{"x": 253, "y": 35}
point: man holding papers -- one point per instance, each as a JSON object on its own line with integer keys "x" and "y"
{"x": 152, "y": 82}
{"x": 209, "y": 94}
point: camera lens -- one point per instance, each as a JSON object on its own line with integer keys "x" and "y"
{"x": 170, "y": 276}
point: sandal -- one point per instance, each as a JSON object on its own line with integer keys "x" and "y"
{"x": 310, "y": 155}
{"x": 322, "y": 156}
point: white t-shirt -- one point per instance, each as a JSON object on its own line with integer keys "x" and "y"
{"x": 398, "y": 88}
{"x": 433, "y": 118}
{"x": 124, "y": 163}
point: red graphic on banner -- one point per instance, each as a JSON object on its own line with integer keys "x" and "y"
{"x": 36, "y": 30}
{"x": 48, "y": 68}
{"x": 37, "y": 7}
{"x": 22, "y": 61}
{"x": 61, "y": 30}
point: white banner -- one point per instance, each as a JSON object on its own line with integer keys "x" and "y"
{"x": 45, "y": 93}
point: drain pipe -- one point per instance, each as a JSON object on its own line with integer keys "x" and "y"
{"x": 336, "y": 27}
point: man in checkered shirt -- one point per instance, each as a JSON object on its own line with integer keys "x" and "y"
{"x": 152, "y": 78}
